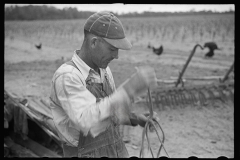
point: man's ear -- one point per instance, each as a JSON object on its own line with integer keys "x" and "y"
{"x": 93, "y": 42}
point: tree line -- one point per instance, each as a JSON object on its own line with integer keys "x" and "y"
{"x": 44, "y": 12}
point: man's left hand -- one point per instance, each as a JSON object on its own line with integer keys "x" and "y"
{"x": 142, "y": 120}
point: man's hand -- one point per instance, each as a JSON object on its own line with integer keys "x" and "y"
{"x": 142, "y": 120}
{"x": 144, "y": 78}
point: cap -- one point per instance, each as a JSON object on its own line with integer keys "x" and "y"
{"x": 106, "y": 25}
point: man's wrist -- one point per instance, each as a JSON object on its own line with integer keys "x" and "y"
{"x": 134, "y": 119}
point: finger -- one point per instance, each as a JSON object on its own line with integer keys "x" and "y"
{"x": 155, "y": 114}
{"x": 146, "y": 114}
{"x": 152, "y": 128}
{"x": 156, "y": 119}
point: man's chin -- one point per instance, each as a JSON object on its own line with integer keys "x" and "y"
{"x": 104, "y": 66}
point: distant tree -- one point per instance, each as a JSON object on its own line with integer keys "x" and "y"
{"x": 31, "y": 12}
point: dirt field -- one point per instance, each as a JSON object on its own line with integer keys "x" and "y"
{"x": 201, "y": 131}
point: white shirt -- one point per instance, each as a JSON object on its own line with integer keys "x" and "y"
{"x": 74, "y": 108}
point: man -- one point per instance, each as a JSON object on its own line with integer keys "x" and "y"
{"x": 87, "y": 109}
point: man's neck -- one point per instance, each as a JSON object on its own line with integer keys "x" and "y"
{"x": 83, "y": 55}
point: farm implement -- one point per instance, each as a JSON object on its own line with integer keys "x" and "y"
{"x": 173, "y": 97}
{"x": 222, "y": 88}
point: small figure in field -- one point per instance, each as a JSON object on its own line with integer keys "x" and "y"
{"x": 38, "y": 46}
{"x": 157, "y": 51}
{"x": 212, "y": 46}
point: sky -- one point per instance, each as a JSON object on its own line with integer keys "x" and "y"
{"x": 126, "y": 8}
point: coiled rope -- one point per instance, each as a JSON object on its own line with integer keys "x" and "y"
{"x": 150, "y": 122}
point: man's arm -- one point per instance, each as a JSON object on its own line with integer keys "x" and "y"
{"x": 80, "y": 104}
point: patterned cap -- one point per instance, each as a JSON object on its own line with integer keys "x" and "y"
{"x": 109, "y": 27}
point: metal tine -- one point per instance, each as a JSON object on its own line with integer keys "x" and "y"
{"x": 181, "y": 99}
{"x": 203, "y": 98}
{"x": 174, "y": 103}
{"x": 158, "y": 104}
{"x": 185, "y": 100}
{"x": 205, "y": 94}
{"x": 170, "y": 100}
{"x": 166, "y": 100}
{"x": 222, "y": 95}
{"x": 211, "y": 94}
{"x": 198, "y": 94}
{"x": 193, "y": 98}
{"x": 210, "y": 91}
{"x": 200, "y": 97}
{"x": 153, "y": 96}
{"x": 162, "y": 101}
{"x": 157, "y": 100}
{"x": 178, "y": 99}
{"x": 187, "y": 97}
{"x": 228, "y": 94}
{"x": 231, "y": 95}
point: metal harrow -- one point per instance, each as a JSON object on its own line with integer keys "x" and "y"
{"x": 184, "y": 95}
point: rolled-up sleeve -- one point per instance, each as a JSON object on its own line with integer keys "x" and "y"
{"x": 80, "y": 105}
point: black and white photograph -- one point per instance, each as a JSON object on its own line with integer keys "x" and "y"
{"x": 119, "y": 80}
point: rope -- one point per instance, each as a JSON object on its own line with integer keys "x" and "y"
{"x": 151, "y": 122}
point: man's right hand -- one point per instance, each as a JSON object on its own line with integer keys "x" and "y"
{"x": 144, "y": 78}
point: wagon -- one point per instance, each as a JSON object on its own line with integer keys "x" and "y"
{"x": 29, "y": 123}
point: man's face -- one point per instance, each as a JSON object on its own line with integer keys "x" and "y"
{"x": 104, "y": 53}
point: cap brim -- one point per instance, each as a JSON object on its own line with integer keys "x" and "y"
{"x": 123, "y": 44}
